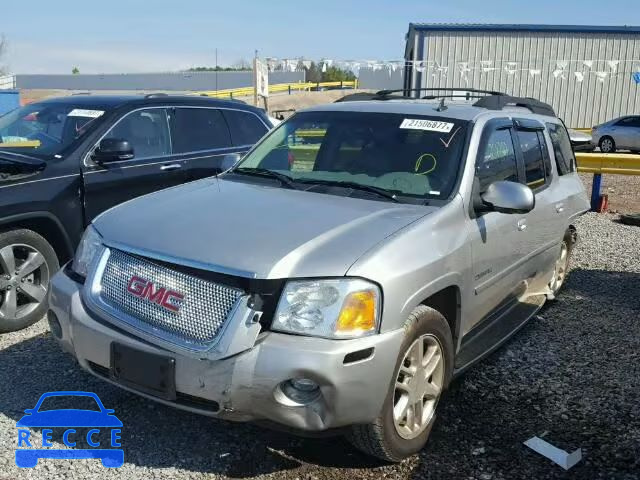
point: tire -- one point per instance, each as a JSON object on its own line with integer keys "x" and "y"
{"x": 23, "y": 291}
{"x": 561, "y": 270}
{"x": 381, "y": 438}
{"x": 607, "y": 145}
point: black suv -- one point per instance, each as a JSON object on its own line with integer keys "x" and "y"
{"x": 65, "y": 160}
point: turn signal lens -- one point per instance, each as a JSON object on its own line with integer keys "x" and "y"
{"x": 358, "y": 314}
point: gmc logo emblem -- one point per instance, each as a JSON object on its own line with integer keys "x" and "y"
{"x": 146, "y": 290}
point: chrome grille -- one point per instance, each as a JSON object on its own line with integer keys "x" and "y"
{"x": 203, "y": 311}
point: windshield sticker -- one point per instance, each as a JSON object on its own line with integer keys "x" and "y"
{"x": 80, "y": 112}
{"x": 16, "y": 142}
{"x": 429, "y": 125}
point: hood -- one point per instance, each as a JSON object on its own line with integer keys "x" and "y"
{"x": 254, "y": 230}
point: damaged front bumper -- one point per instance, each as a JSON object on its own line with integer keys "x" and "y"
{"x": 353, "y": 376}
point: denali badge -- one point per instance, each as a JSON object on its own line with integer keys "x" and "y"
{"x": 145, "y": 289}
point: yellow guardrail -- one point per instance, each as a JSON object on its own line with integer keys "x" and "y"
{"x": 611, "y": 163}
{"x": 277, "y": 88}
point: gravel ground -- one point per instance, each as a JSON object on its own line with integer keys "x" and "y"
{"x": 573, "y": 372}
{"x": 623, "y": 191}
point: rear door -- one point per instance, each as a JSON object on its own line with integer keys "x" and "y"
{"x": 153, "y": 167}
{"x": 202, "y": 136}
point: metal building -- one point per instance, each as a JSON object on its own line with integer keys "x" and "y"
{"x": 588, "y": 73}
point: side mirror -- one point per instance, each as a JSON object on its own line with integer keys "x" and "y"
{"x": 229, "y": 161}
{"x": 113, "y": 150}
{"x": 508, "y": 197}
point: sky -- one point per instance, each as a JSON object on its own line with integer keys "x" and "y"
{"x": 119, "y": 36}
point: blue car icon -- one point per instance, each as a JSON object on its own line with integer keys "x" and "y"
{"x": 69, "y": 418}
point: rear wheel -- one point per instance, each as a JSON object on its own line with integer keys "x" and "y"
{"x": 607, "y": 145}
{"x": 423, "y": 370}
{"x": 27, "y": 262}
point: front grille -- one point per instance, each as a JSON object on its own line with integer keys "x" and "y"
{"x": 201, "y": 315}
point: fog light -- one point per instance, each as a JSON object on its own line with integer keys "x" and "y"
{"x": 301, "y": 390}
{"x": 54, "y": 324}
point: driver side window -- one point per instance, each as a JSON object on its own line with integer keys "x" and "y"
{"x": 146, "y": 130}
{"x": 497, "y": 159}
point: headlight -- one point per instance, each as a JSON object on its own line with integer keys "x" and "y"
{"x": 332, "y": 308}
{"x": 90, "y": 246}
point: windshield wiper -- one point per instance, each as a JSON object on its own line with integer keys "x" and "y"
{"x": 265, "y": 172}
{"x": 381, "y": 192}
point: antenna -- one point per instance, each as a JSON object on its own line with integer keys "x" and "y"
{"x": 442, "y": 107}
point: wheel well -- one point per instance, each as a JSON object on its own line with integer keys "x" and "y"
{"x": 49, "y": 230}
{"x": 447, "y": 302}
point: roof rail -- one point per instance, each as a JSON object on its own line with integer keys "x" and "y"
{"x": 498, "y": 102}
{"x": 488, "y": 99}
{"x": 156, "y": 95}
{"x": 384, "y": 93}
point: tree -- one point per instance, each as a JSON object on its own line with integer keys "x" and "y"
{"x": 75, "y": 71}
{"x": 315, "y": 74}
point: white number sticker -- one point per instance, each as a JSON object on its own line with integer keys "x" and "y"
{"x": 430, "y": 125}
{"x": 79, "y": 112}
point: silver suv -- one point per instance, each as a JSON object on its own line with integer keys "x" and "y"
{"x": 340, "y": 274}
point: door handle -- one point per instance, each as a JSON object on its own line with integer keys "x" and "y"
{"x": 559, "y": 207}
{"x": 522, "y": 225}
{"x": 170, "y": 167}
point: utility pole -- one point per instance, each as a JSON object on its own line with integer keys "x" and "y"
{"x": 216, "y": 69}
{"x": 255, "y": 78}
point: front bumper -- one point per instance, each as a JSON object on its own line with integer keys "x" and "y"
{"x": 246, "y": 386}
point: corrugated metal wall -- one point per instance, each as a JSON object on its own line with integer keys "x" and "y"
{"x": 455, "y": 59}
{"x": 380, "y": 79}
{"x": 180, "y": 81}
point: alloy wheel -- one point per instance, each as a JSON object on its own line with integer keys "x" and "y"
{"x": 606, "y": 145}
{"x": 560, "y": 270}
{"x": 418, "y": 386}
{"x": 24, "y": 280}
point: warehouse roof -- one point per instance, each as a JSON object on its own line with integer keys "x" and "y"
{"x": 523, "y": 27}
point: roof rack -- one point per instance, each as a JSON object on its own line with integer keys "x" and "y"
{"x": 384, "y": 93}
{"x": 498, "y": 102}
{"x": 489, "y": 99}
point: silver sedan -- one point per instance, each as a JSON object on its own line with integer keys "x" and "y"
{"x": 622, "y": 133}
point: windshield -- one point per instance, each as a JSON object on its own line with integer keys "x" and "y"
{"x": 45, "y": 129}
{"x": 411, "y": 156}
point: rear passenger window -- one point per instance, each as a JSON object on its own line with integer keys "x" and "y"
{"x": 562, "y": 150}
{"x": 533, "y": 159}
{"x": 246, "y": 128}
{"x": 497, "y": 160}
{"x": 198, "y": 129}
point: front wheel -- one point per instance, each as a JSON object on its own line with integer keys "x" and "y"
{"x": 27, "y": 262}
{"x": 561, "y": 268}
{"x": 607, "y": 145}
{"x": 422, "y": 372}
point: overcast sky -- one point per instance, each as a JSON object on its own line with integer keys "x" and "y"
{"x": 165, "y": 35}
